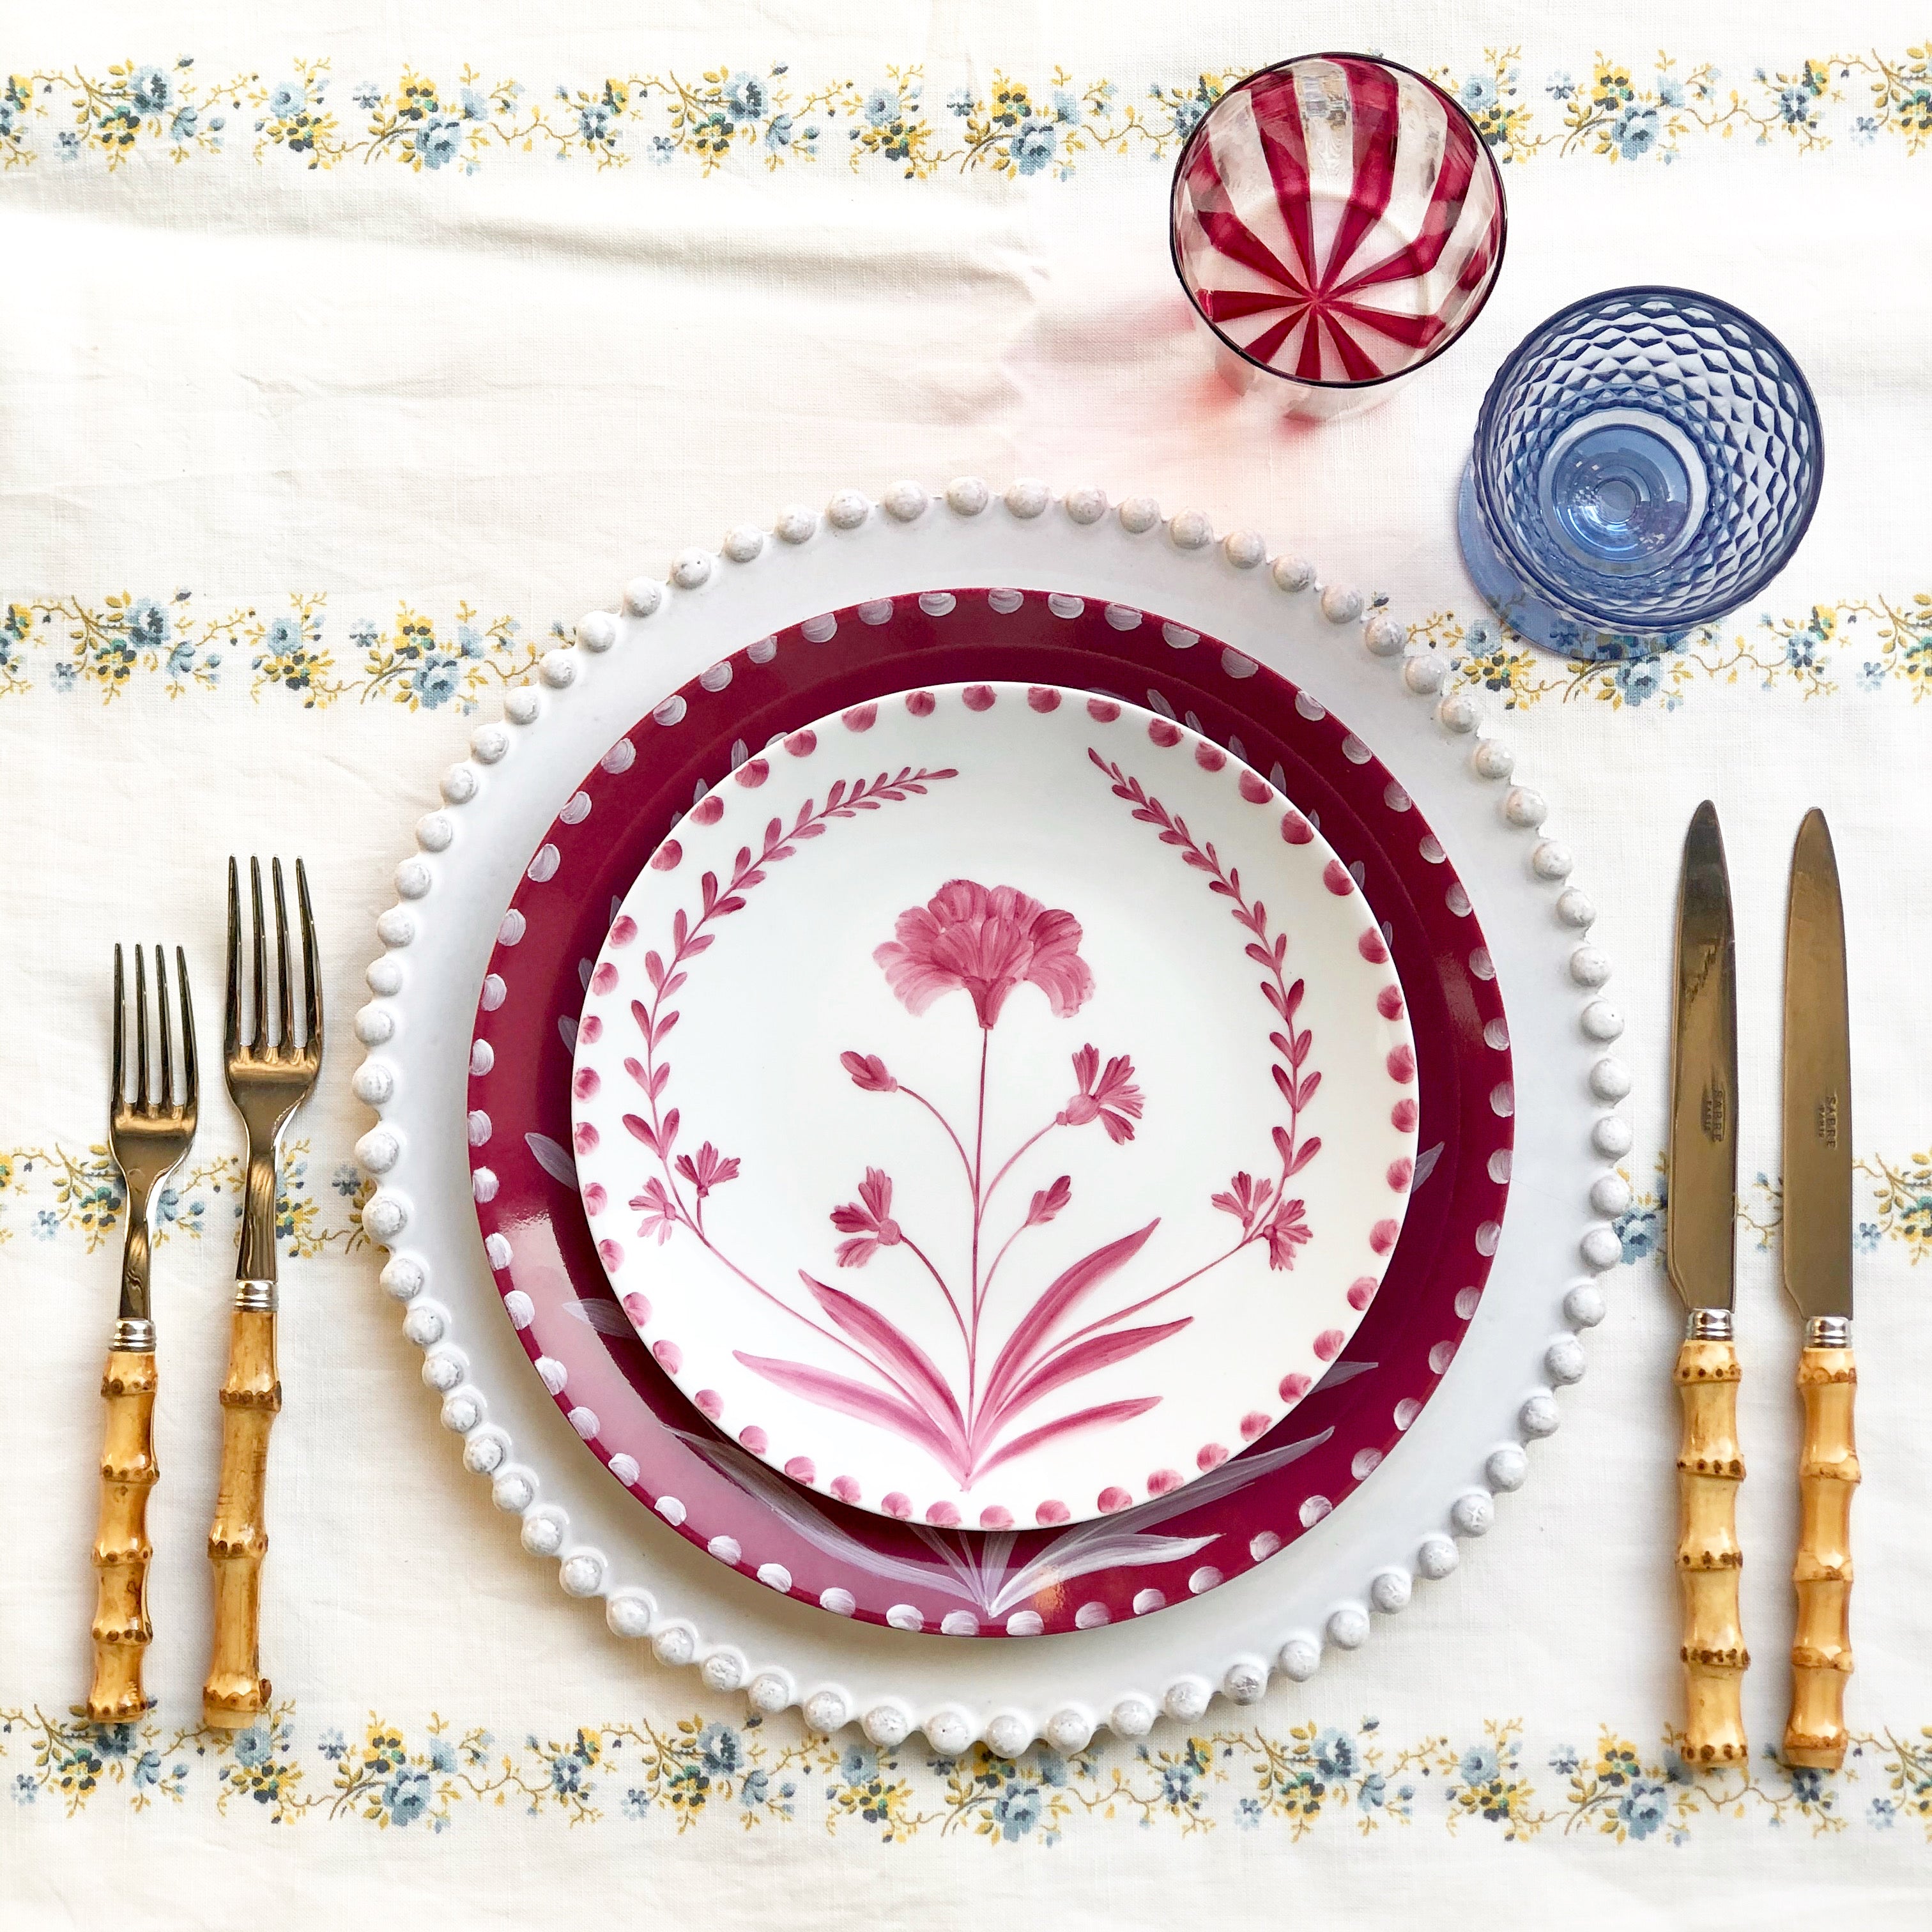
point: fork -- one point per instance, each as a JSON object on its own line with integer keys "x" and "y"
{"x": 149, "y": 1138}
{"x": 267, "y": 1080}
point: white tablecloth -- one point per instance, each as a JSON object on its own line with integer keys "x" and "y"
{"x": 342, "y": 360}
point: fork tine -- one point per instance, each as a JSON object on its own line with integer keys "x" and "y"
{"x": 141, "y": 1028}
{"x": 120, "y": 1030}
{"x": 260, "y": 1043}
{"x": 311, "y": 970}
{"x": 190, "y": 1075}
{"x": 232, "y": 1039}
{"x": 167, "y": 1031}
{"x": 284, "y": 1002}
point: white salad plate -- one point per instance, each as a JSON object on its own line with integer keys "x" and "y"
{"x": 994, "y": 1105}
{"x": 1439, "y": 1481}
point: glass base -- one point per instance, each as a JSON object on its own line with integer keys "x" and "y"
{"x": 1530, "y": 613}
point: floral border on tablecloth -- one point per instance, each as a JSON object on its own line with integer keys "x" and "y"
{"x": 302, "y": 112}
{"x": 291, "y": 649}
{"x": 694, "y": 1771}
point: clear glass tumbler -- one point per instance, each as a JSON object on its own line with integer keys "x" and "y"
{"x": 1645, "y": 462}
{"x": 1336, "y": 222}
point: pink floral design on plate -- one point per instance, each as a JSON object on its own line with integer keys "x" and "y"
{"x": 1256, "y": 1501}
{"x": 992, "y": 1370}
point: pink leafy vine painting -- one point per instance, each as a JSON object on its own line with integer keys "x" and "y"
{"x": 1014, "y": 1341}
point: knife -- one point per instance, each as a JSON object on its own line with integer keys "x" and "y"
{"x": 1701, "y": 1233}
{"x": 1817, "y": 1243}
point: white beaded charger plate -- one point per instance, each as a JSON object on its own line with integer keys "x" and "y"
{"x": 993, "y": 1103}
{"x": 1439, "y": 1482}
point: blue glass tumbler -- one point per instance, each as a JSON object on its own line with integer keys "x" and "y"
{"x": 1645, "y": 461}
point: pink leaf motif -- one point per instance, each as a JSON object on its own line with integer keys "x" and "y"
{"x": 1062, "y": 1296}
{"x": 847, "y": 1397}
{"x": 1084, "y": 1358}
{"x": 1098, "y": 1418}
{"x": 1049, "y": 1201}
{"x": 897, "y": 1354}
{"x": 659, "y": 1211}
{"x": 1240, "y": 1199}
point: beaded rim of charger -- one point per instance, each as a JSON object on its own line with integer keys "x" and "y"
{"x": 487, "y": 1449}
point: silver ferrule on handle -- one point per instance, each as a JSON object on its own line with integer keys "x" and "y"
{"x": 256, "y": 1296}
{"x": 1828, "y": 1331}
{"x": 1708, "y": 1324}
{"x": 133, "y": 1335}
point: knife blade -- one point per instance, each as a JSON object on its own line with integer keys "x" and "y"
{"x": 1701, "y": 1182}
{"x": 1701, "y": 1210}
{"x": 1817, "y": 1231}
{"x": 1817, "y": 1263}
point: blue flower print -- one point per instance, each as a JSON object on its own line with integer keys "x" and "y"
{"x": 1176, "y": 1785}
{"x": 114, "y": 1740}
{"x": 406, "y": 1796}
{"x": 1051, "y": 1768}
{"x": 148, "y": 1770}
{"x": 332, "y": 1744}
{"x": 1669, "y": 90}
{"x": 471, "y": 642}
{"x": 1335, "y": 1755}
{"x": 1637, "y": 678}
{"x": 288, "y": 100}
{"x": 1372, "y": 1794}
{"x": 252, "y": 1746}
{"x": 346, "y": 1179}
{"x": 151, "y": 91}
{"x": 778, "y": 136}
{"x": 67, "y": 143}
{"x": 148, "y": 627}
{"x": 1864, "y": 131}
{"x": 1478, "y": 92}
{"x": 46, "y": 1225}
{"x": 1643, "y": 1807}
{"x": 720, "y": 1750}
{"x": 1882, "y": 1814}
{"x": 1866, "y": 1238}
{"x": 1635, "y": 134}
{"x": 435, "y": 681}
{"x": 1871, "y": 676}
{"x": 858, "y": 1764}
{"x": 661, "y": 150}
{"x": 182, "y": 126}
{"x": 1065, "y": 107}
{"x": 1033, "y": 146}
{"x": 475, "y": 106}
{"x": 1248, "y": 1814}
{"x": 635, "y": 1803}
{"x": 367, "y": 95}
{"x": 64, "y": 677}
{"x": 24, "y": 1789}
{"x": 1794, "y": 106}
{"x": 1559, "y": 86}
{"x": 1478, "y": 1765}
{"x": 1016, "y": 1811}
{"x": 593, "y": 121}
{"x": 1641, "y": 1231}
{"x": 441, "y": 1756}
{"x": 747, "y": 97}
{"x": 438, "y": 139}
{"x": 1802, "y": 650}
{"x": 1807, "y": 1784}
{"x": 882, "y": 105}
{"x": 1186, "y": 115}
{"x": 566, "y": 1774}
{"x": 755, "y": 1788}
{"x": 960, "y": 102}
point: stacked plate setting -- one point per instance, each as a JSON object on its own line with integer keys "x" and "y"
{"x": 990, "y": 1112}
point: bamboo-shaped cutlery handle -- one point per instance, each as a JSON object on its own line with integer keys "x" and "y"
{"x": 122, "y": 1549}
{"x": 236, "y": 1692}
{"x": 1821, "y": 1646}
{"x": 1709, "y": 1468}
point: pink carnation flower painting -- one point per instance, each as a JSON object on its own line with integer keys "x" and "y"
{"x": 986, "y": 942}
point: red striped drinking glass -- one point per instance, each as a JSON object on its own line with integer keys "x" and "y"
{"x": 1336, "y": 222}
